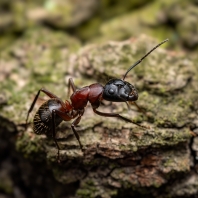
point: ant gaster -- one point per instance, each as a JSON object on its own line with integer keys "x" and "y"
{"x": 52, "y": 112}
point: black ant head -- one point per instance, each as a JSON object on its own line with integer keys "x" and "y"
{"x": 117, "y": 90}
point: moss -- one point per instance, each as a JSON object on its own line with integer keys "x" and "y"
{"x": 143, "y": 20}
{"x": 109, "y": 144}
{"x": 88, "y": 190}
{"x": 31, "y": 71}
{"x": 31, "y": 146}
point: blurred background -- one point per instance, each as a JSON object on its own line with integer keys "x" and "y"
{"x": 25, "y": 25}
{"x": 96, "y": 21}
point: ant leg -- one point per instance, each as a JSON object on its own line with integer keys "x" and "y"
{"x": 54, "y": 134}
{"x": 75, "y": 123}
{"x": 65, "y": 117}
{"x": 71, "y": 84}
{"x": 51, "y": 95}
{"x": 128, "y": 106}
{"x": 117, "y": 116}
{"x": 141, "y": 110}
{"x": 138, "y": 108}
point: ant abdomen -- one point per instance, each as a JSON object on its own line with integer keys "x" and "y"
{"x": 42, "y": 123}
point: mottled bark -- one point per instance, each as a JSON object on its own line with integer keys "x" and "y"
{"x": 120, "y": 159}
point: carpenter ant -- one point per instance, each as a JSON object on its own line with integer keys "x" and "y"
{"x": 52, "y": 112}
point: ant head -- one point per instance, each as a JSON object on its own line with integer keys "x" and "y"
{"x": 117, "y": 90}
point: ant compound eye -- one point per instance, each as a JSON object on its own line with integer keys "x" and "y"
{"x": 111, "y": 91}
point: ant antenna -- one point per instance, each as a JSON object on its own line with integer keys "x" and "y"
{"x": 139, "y": 61}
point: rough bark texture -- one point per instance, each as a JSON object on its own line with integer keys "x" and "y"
{"x": 120, "y": 159}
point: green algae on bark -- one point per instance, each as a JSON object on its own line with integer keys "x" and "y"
{"x": 124, "y": 155}
{"x": 36, "y": 60}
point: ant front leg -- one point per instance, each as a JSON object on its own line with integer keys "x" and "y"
{"x": 146, "y": 114}
{"x": 138, "y": 107}
{"x": 115, "y": 115}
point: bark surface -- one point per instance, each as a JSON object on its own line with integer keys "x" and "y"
{"x": 120, "y": 159}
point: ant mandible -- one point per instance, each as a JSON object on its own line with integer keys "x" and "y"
{"x": 52, "y": 112}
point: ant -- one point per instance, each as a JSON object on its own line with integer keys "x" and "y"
{"x": 53, "y": 111}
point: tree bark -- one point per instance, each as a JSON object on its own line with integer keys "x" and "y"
{"x": 120, "y": 159}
